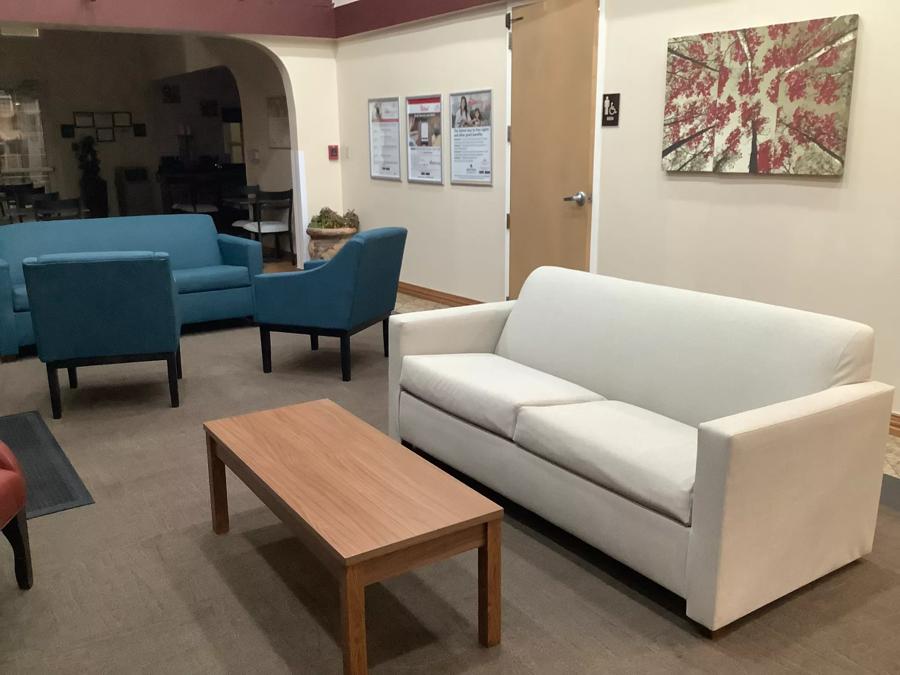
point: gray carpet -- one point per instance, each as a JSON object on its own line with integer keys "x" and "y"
{"x": 53, "y": 484}
{"x": 139, "y": 583}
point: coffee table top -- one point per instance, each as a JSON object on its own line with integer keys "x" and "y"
{"x": 359, "y": 491}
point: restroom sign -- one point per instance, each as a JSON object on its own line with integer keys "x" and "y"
{"x": 611, "y": 110}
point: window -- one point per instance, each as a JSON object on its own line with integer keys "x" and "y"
{"x": 23, "y": 156}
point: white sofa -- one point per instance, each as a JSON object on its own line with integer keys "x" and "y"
{"x": 729, "y": 450}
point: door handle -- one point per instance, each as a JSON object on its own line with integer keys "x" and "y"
{"x": 579, "y": 198}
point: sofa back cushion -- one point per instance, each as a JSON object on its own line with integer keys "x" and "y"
{"x": 190, "y": 240}
{"x": 687, "y": 355}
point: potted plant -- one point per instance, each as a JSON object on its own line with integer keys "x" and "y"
{"x": 94, "y": 194}
{"x": 329, "y": 231}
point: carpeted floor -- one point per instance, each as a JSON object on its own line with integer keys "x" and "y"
{"x": 138, "y": 583}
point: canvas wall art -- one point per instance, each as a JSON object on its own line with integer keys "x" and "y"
{"x": 767, "y": 100}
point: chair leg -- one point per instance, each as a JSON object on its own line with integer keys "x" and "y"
{"x": 172, "y": 366}
{"x": 277, "y": 246}
{"x": 313, "y": 341}
{"x": 345, "y": 357}
{"x": 178, "y": 363}
{"x": 53, "y": 381}
{"x": 16, "y": 531}
{"x": 265, "y": 341}
{"x": 73, "y": 378}
{"x": 384, "y": 336}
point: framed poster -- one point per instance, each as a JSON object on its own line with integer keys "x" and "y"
{"x": 83, "y": 120}
{"x": 424, "y": 142}
{"x": 103, "y": 119}
{"x": 279, "y": 122}
{"x": 384, "y": 138}
{"x": 121, "y": 119}
{"x": 105, "y": 134}
{"x": 471, "y": 148}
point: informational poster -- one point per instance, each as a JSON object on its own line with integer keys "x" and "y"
{"x": 279, "y": 123}
{"x": 384, "y": 138}
{"x": 424, "y": 140}
{"x": 471, "y": 160}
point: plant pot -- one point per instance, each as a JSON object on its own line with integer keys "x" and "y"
{"x": 325, "y": 243}
{"x": 95, "y": 197}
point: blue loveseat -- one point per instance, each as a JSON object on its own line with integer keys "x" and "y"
{"x": 213, "y": 272}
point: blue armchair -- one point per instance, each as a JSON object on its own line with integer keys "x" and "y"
{"x": 98, "y": 308}
{"x": 337, "y": 298}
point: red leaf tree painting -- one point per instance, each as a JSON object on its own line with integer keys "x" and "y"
{"x": 773, "y": 100}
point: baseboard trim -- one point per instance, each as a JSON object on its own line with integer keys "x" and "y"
{"x": 443, "y": 298}
{"x": 895, "y": 424}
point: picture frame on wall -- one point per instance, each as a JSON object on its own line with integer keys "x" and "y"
{"x": 384, "y": 138}
{"x": 424, "y": 139}
{"x": 83, "y": 120}
{"x": 103, "y": 119}
{"x": 471, "y": 138}
{"x": 105, "y": 134}
{"x": 121, "y": 119}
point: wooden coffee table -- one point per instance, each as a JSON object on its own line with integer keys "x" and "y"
{"x": 367, "y": 507}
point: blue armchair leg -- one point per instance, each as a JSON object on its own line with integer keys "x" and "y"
{"x": 171, "y": 363}
{"x": 314, "y": 342}
{"x": 178, "y": 363}
{"x": 53, "y": 381}
{"x": 73, "y": 378}
{"x": 345, "y": 357}
{"x": 384, "y": 335}
{"x": 265, "y": 341}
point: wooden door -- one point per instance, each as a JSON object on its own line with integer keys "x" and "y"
{"x": 554, "y": 47}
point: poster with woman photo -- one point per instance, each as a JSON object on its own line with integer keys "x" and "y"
{"x": 471, "y": 158}
{"x": 384, "y": 138}
{"x": 423, "y": 139}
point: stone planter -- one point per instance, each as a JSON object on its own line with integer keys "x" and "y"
{"x": 324, "y": 244}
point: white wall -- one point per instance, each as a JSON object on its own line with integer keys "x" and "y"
{"x": 309, "y": 73}
{"x": 258, "y": 78}
{"x": 84, "y": 72}
{"x": 827, "y": 245}
{"x": 456, "y": 233}
{"x": 102, "y": 71}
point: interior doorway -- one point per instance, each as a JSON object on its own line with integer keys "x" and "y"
{"x": 553, "y": 92}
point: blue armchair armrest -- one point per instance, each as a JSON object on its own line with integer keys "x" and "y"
{"x": 9, "y": 343}
{"x": 242, "y": 253}
{"x": 317, "y": 297}
{"x": 313, "y": 264}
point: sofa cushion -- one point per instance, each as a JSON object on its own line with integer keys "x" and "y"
{"x": 20, "y": 298}
{"x": 690, "y": 356}
{"x": 485, "y": 389}
{"x": 213, "y": 278}
{"x": 636, "y": 453}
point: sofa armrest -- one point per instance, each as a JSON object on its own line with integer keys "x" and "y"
{"x": 317, "y": 298}
{"x": 783, "y": 495}
{"x": 9, "y": 343}
{"x": 242, "y": 253}
{"x": 458, "y": 330}
{"x": 313, "y": 264}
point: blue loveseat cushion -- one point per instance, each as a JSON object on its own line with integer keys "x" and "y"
{"x": 211, "y": 278}
{"x": 20, "y": 298}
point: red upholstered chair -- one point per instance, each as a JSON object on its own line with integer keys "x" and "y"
{"x": 12, "y": 514}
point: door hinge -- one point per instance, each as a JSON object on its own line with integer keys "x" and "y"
{"x": 509, "y": 133}
{"x": 508, "y": 20}
{"x": 507, "y": 221}
{"x": 509, "y": 41}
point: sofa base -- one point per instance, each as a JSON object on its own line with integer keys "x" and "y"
{"x": 644, "y": 540}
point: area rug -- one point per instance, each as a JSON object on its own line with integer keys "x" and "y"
{"x": 52, "y": 482}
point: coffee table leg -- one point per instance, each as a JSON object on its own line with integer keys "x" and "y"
{"x": 353, "y": 623}
{"x": 489, "y": 586}
{"x": 218, "y": 495}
